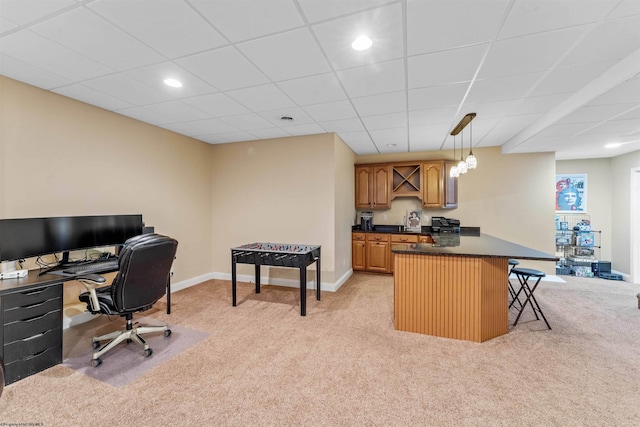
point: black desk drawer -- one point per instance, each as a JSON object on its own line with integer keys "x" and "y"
{"x": 37, "y": 309}
{"x": 21, "y": 329}
{"x": 31, "y": 346}
{"x": 19, "y": 369}
{"x": 34, "y": 296}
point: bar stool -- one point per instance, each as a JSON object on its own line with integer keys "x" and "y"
{"x": 523, "y": 275}
{"x": 512, "y": 291}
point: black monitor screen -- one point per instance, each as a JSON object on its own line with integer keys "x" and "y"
{"x": 29, "y": 237}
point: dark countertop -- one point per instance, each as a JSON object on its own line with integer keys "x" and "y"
{"x": 464, "y": 245}
{"x": 399, "y": 229}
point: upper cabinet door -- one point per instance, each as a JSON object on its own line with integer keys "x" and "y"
{"x": 432, "y": 184}
{"x": 364, "y": 189}
{"x": 373, "y": 187}
{"x": 450, "y": 187}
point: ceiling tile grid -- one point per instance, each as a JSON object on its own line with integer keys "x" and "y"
{"x": 541, "y": 75}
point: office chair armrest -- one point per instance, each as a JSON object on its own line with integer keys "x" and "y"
{"x": 96, "y": 278}
{"x": 91, "y": 282}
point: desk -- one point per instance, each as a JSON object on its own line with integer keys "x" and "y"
{"x": 31, "y": 322}
{"x": 278, "y": 255}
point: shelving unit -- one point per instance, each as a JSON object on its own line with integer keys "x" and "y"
{"x": 577, "y": 249}
{"x": 406, "y": 180}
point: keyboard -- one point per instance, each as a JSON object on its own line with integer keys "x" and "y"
{"x": 99, "y": 266}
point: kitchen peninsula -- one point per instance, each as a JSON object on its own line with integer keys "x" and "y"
{"x": 456, "y": 287}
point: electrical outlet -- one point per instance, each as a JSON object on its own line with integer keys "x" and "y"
{"x": 425, "y": 218}
{"x": 384, "y": 217}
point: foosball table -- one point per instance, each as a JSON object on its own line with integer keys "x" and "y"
{"x": 277, "y": 255}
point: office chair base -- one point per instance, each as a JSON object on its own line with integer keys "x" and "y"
{"x": 128, "y": 335}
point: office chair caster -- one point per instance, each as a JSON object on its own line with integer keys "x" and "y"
{"x": 96, "y": 362}
{"x": 96, "y": 345}
{"x": 148, "y": 352}
{"x": 167, "y": 332}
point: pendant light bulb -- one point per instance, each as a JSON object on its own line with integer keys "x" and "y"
{"x": 462, "y": 166}
{"x": 471, "y": 161}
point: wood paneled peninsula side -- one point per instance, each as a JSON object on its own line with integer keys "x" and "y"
{"x": 456, "y": 287}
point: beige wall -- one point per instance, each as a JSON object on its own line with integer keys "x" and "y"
{"x": 345, "y": 205}
{"x": 609, "y": 190}
{"x": 281, "y": 191}
{"x": 62, "y": 157}
{"x": 508, "y": 196}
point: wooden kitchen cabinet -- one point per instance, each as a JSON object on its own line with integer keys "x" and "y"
{"x": 358, "y": 252}
{"x": 439, "y": 190}
{"x": 378, "y": 253}
{"x": 373, "y": 187}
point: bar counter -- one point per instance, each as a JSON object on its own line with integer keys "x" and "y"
{"x": 456, "y": 287}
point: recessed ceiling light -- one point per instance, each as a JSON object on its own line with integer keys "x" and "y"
{"x": 361, "y": 43}
{"x": 613, "y": 145}
{"x": 391, "y": 145}
{"x": 173, "y": 82}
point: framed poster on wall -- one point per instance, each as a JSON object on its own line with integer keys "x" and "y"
{"x": 571, "y": 193}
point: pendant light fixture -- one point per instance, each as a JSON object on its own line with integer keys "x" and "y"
{"x": 471, "y": 161}
{"x": 454, "y": 172}
{"x": 462, "y": 165}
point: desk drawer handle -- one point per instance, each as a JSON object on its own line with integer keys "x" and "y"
{"x": 36, "y": 292}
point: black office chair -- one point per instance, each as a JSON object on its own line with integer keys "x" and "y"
{"x": 144, "y": 270}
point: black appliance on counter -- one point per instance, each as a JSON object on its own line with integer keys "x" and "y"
{"x": 440, "y": 224}
{"x": 366, "y": 221}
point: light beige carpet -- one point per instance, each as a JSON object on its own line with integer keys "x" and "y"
{"x": 344, "y": 364}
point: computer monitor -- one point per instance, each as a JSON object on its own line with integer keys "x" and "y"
{"x": 29, "y": 237}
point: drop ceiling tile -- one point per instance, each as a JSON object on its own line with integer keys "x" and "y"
{"x": 313, "y": 89}
{"x": 217, "y": 104}
{"x": 248, "y": 122}
{"x": 392, "y": 102}
{"x": 597, "y": 113}
{"x": 328, "y": 111}
{"x": 154, "y": 76}
{"x": 449, "y": 66}
{"x": 28, "y": 73}
{"x": 32, "y": 48}
{"x": 127, "y": 89}
{"x": 93, "y": 37}
{"x": 527, "y": 54}
{"x": 359, "y": 142}
{"x": 275, "y": 117}
{"x": 261, "y": 98}
{"x": 626, "y": 92}
{"x": 373, "y": 79}
{"x": 502, "y": 89}
{"x": 210, "y": 126}
{"x": 443, "y": 24}
{"x": 625, "y": 8}
{"x": 173, "y": 29}
{"x": 224, "y": 68}
{"x": 269, "y": 133}
{"x": 184, "y": 128}
{"x": 347, "y": 125}
{"x": 316, "y": 11}
{"x": 164, "y": 113}
{"x": 382, "y": 137}
{"x": 6, "y": 25}
{"x": 428, "y": 138}
{"x": 433, "y": 116}
{"x": 570, "y": 78}
{"x": 383, "y": 25}
{"x": 306, "y": 129}
{"x": 614, "y": 127}
{"x": 247, "y": 19}
{"x": 385, "y": 121}
{"x": 489, "y": 109}
{"x": 536, "y": 16}
{"x": 225, "y": 138}
{"x": 563, "y": 130}
{"x": 631, "y": 114}
{"x": 495, "y": 132}
{"x": 23, "y": 12}
{"x": 92, "y": 97}
{"x": 437, "y": 96}
{"x": 536, "y": 104}
{"x": 287, "y": 55}
{"x": 598, "y": 45}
